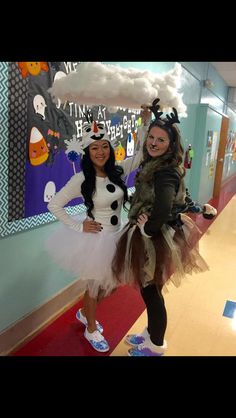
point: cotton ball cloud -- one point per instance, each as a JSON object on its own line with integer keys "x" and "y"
{"x": 94, "y": 83}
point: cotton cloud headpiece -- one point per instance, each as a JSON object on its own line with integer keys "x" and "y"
{"x": 95, "y": 83}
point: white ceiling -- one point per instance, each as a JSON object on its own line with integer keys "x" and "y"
{"x": 227, "y": 70}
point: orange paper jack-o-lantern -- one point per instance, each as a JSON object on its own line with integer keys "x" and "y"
{"x": 119, "y": 153}
{"x": 33, "y": 68}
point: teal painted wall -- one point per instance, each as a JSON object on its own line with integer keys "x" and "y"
{"x": 219, "y": 87}
{"x": 191, "y": 89}
{"x": 28, "y": 277}
{"x": 198, "y": 151}
{"x": 203, "y": 71}
{"x": 202, "y": 183}
{"x": 156, "y": 67}
{"x": 213, "y": 123}
{"x": 229, "y": 168}
{"x": 196, "y": 69}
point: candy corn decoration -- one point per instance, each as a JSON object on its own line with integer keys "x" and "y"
{"x": 38, "y": 150}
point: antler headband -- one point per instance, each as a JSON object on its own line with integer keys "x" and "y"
{"x": 173, "y": 118}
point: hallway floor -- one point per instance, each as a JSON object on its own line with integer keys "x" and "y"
{"x": 196, "y": 324}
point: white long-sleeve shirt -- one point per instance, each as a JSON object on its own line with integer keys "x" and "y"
{"x": 107, "y": 199}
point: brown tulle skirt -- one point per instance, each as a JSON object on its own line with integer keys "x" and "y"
{"x": 170, "y": 255}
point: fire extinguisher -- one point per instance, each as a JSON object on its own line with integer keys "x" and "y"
{"x": 188, "y": 157}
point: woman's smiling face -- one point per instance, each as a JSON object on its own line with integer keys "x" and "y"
{"x": 157, "y": 142}
{"x": 99, "y": 152}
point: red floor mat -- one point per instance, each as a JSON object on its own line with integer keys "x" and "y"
{"x": 64, "y": 337}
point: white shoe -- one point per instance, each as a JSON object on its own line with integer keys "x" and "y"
{"x": 147, "y": 349}
{"x": 136, "y": 339}
{"x": 84, "y": 321}
{"x": 97, "y": 341}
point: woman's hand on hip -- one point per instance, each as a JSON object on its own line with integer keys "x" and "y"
{"x": 92, "y": 226}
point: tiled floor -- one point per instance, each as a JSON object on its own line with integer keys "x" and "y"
{"x": 196, "y": 325}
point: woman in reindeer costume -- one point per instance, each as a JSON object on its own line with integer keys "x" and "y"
{"x": 160, "y": 242}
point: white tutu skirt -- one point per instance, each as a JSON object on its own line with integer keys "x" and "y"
{"x": 87, "y": 256}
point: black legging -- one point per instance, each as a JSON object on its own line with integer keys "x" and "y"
{"x": 156, "y": 312}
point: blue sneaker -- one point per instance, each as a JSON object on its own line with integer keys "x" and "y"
{"x": 136, "y": 339}
{"x": 97, "y": 341}
{"x": 142, "y": 352}
{"x": 84, "y": 321}
{"x": 147, "y": 349}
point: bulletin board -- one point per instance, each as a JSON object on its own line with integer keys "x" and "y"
{"x": 35, "y": 134}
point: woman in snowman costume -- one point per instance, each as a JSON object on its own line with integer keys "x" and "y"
{"x": 85, "y": 245}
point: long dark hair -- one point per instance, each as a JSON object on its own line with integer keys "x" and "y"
{"x": 88, "y": 186}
